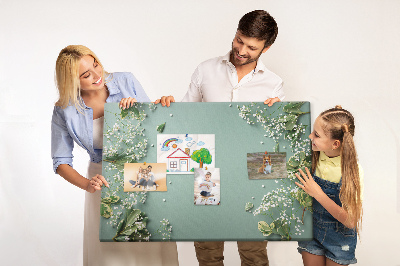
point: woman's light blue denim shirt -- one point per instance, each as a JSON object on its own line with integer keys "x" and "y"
{"x": 69, "y": 125}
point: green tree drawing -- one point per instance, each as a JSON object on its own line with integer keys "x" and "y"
{"x": 202, "y": 156}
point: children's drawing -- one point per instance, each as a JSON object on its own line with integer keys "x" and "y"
{"x": 266, "y": 165}
{"x": 206, "y": 186}
{"x": 184, "y": 152}
{"x": 145, "y": 177}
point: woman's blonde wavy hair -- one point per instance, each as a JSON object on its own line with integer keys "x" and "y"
{"x": 67, "y": 75}
{"x": 339, "y": 125}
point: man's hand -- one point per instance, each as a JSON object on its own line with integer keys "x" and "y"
{"x": 271, "y": 101}
{"x": 165, "y": 100}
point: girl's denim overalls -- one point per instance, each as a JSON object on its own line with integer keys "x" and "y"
{"x": 331, "y": 238}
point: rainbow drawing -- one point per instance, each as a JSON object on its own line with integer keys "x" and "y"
{"x": 168, "y": 141}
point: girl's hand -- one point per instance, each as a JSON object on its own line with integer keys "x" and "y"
{"x": 271, "y": 101}
{"x": 309, "y": 185}
{"x": 95, "y": 183}
{"x": 127, "y": 102}
{"x": 165, "y": 100}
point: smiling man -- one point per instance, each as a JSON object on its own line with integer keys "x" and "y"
{"x": 240, "y": 75}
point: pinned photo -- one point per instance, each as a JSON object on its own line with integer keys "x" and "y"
{"x": 207, "y": 186}
{"x": 266, "y": 165}
{"x": 145, "y": 177}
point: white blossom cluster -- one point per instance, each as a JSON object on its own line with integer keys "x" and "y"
{"x": 125, "y": 141}
{"x": 297, "y": 131}
{"x": 143, "y": 196}
{"x": 140, "y": 227}
{"x": 275, "y": 199}
{"x": 245, "y": 112}
{"x": 275, "y": 128}
{"x": 152, "y": 106}
{"x": 140, "y": 115}
{"x": 165, "y": 229}
{"x": 128, "y": 202}
{"x": 120, "y": 142}
{"x": 113, "y": 220}
{"x": 278, "y": 205}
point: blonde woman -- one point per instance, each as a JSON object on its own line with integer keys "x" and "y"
{"x": 78, "y": 117}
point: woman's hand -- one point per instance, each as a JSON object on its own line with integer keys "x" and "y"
{"x": 308, "y": 184}
{"x": 165, "y": 100}
{"x": 95, "y": 183}
{"x": 127, "y": 102}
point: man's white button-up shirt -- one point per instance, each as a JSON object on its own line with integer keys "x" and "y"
{"x": 216, "y": 80}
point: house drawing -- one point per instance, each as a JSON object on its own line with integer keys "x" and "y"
{"x": 178, "y": 161}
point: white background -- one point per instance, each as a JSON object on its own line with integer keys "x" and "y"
{"x": 327, "y": 52}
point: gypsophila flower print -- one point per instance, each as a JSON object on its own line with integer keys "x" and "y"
{"x": 285, "y": 206}
{"x": 125, "y": 144}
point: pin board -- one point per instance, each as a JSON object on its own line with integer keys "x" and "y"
{"x": 205, "y": 172}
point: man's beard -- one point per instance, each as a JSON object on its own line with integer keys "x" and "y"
{"x": 249, "y": 60}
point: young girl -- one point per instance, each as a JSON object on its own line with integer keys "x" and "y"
{"x": 84, "y": 87}
{"x": 336, "y": 186}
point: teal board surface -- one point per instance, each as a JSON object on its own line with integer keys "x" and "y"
{"x": 239, "y": 129}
